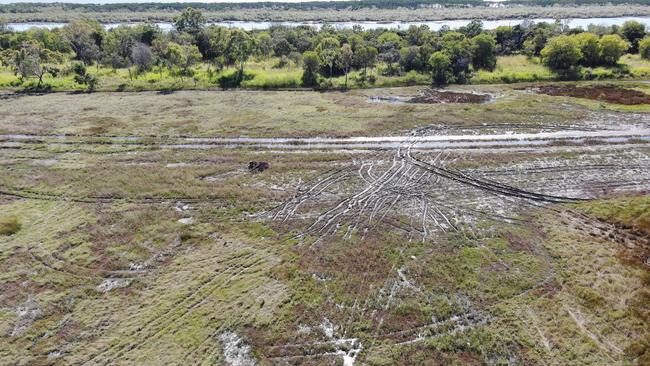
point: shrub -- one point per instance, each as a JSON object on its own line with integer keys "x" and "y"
{"x": 644, "y": 48}
{"x": 590, "y": 47}
{"x": 562, "y": 54}
{"x": 612, "y": 47}
{"x": 440, "y": 68}
{"x": 310, "y": 64}
{"x": 9, "y": 225}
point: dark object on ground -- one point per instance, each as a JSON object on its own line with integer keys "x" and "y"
{"x": 436, "y": 97}
{"x": 257, "y": 166}
{"x": 605, "y": 93}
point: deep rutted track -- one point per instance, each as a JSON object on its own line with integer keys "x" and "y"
{"x": 421, "y": 196}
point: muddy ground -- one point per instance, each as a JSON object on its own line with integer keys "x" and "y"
{"x": 495, "y": 244}
{"x": 431, "y": 96}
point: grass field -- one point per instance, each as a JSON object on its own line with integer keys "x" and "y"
{"x": 265, "y": 75}
{"x": 130, "y": 234}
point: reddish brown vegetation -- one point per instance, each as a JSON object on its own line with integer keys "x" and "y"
{"x": 609, "y": 94}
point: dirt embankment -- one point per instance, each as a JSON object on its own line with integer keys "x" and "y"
{"x": 604, "y": 93}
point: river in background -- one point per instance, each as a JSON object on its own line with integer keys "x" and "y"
{"x": 433, "y": 25}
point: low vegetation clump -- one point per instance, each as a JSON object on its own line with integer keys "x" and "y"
{"x": 84, "y": 55}
{"x": 9, "y": 225}
{"x": 604, "y": 93}
{"x": 632, "y": 212}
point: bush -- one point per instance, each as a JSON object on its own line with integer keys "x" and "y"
{"x": 561, "y": 53}
{"x": 84, "y": 78}
{"x": 9, "y": 225}
{"x": 612, "y": 47}
{"x": 644, "y": 48}
{"x": 310, "y": 64}
{"x": 590, "y": 47}
{"x": 441, "y": 71}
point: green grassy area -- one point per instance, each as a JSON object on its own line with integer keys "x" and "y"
{"x": 264, "y": 75}
{"x": 632, "y": 212}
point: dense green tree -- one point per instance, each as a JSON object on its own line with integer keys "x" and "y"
{"x": 146, "y": 33}
{"x": 612, "y": 47}
{"x": 590, "y": 48}
{"x": 85, "y": 39}
{"x": 537, "y": 40}
{"x": 418, "y": 35}
{"x": 459, "y": 50}
{"x": 190, "y": 21}
{"x": 562, "y": 54}
{"x": 181, "y": 57}
{"x": 310, "y": 65}
{"x": 409, "y": 59}
{"x": 345, "y": 60}
{"x": 117, "y": 47}
{"x": 389, "y": 45}
{"x": 264, "y": 44}
{"x": 644, "y": 48}
{"x": 440, "y": 65}
{"x": 241, "y": 47}
{"x": 366, "y": 57}
{"x": 213, "y": 43}
{"x": 328, "y": 52}
{"x": 473, "y": 29}
{"x": 633, "y": 32}
{"x": 484, "y": 52}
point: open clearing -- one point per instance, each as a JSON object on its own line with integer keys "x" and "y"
{"x": 510, "y": 232}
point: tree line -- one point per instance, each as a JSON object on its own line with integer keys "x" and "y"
{"x": 448, "y": 56}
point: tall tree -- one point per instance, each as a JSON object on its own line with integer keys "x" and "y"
{"x": 484, "y": 54}
{"x": 310, "y": 66}
{"x": 190, "y": 21}
{"x": 633, "y": 32}
{"x": 440, "y": 65}
{"x": 345, "y": 60}
{"x": 328, "y": 52}
{"x": 366, "y": 57}
{"x": 240, "y": 47}
{"x": 85, "y": 39}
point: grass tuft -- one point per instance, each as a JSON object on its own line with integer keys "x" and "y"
{"x": 9, "y": 225}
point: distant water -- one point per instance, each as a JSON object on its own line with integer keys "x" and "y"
{"x": 434, "y": 25}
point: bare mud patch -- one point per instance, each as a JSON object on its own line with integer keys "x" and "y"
{"x": 27, "y": 314}
{"x": 110, "y": 284}
{"x": 235, "y": 351}
{"x": 431, "y": 96}
{"x": 602, "y": 93}
{"x": 443, "y": 97}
